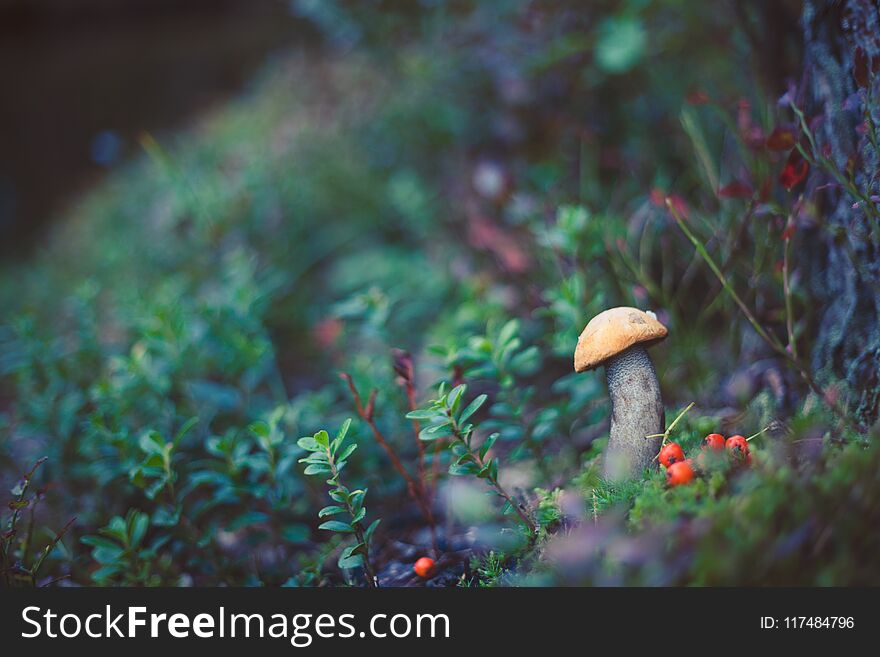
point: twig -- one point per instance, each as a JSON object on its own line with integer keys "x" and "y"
{"x": 416, "y": 492}
{"x": 403, "y": 365}
{"x": 55, "y": 580}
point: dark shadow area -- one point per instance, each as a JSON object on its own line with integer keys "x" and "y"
{"x": 81, "y": 80}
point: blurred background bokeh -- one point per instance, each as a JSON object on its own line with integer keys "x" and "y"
{"x": 81, "y": 79}
{"x": 212, "y": 209}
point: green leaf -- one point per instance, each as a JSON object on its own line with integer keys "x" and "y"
{"x": 309, "y": 444}
{"x": 105, "y": 555}
{"x": 315, "y": 457}
{"x": 472, "y": 408}
{"x": 508, "y": 331}
{"x": 463, "y": 469}
{"x": 106, "y": 572}
{"x": 339, "y": 496}
{"x": 330, "y": 511}
{"x": 152, "y": 442}
{"x": 336, "y": 526}
{"x": 421, "y": 414}
{"x": 356, "y": 499}
{"x": 259, "y": 429}
{"x": 98, "y": 541}
{"x": 487, "y": 444}
{"x": 359, "y": 515}
{"x": 347, "y": 452}
{"x": 115, "y": 529}
{"x": 368, "y": 534}
{"x": 322, "y": 438}
{"x": 353, "y": 561}
{"x": 317, "y": 468}
{"x": 139, "y": 525}
{"x": 185, "y": 429}
{"x": 343, "y": 430}
{"x": 360, "y": 548}
{"x": 454, "y": 398}
{"x": 436, "y": 431}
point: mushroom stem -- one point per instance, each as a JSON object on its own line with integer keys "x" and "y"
{"x": 636, "y": 412}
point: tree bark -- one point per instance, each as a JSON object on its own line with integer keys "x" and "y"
{"x": 840, "y": 246}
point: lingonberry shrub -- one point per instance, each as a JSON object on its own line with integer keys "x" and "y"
{"x": 126, "y": 556}
{"x": 447, "y": 418}
{"x": 327, "y": 458}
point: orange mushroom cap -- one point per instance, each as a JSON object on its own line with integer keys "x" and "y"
{"x": 613, "y": 331}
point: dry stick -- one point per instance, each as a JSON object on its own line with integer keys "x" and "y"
{"x": 759, "y": 329}
{"x": 366, "y": 414}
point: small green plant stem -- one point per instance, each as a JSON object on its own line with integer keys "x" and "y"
{"x": 669, "y": 429}
{"x": 372, "y": 580}
{"x": 672, "y": 426}
{"x": 817, "y": 159}
{"x": 771, "y": 340}
{"x": 16, "y": 506}
{"x": 48, "y": 549}
{"x": 492, "y": 479}
{"x": 786, "y": 290}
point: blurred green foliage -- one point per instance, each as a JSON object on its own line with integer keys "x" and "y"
{"x": 469, "y": 182}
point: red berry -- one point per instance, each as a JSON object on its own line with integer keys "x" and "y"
{"x": 671, "y": 453}
{"x": 424, "y": 567}
{"x": 679, "y": 473}
{"x": 714, "y": 441}
{"x": 738, "y": 446}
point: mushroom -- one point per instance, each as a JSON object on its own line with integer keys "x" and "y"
{"x": 618, "y": 339}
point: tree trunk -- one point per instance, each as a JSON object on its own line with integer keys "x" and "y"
{"x": 841, "y": 250}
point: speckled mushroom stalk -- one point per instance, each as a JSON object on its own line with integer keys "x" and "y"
{"x": 618, "y": 339}
{"x": 636, "y": 412}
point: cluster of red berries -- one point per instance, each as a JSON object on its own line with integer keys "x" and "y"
{"x": 680, "y": 470}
